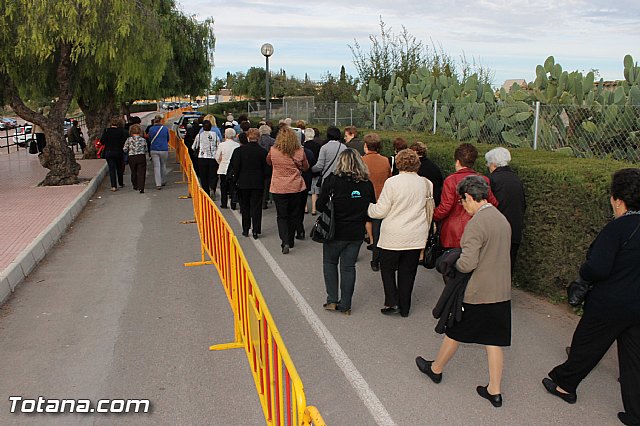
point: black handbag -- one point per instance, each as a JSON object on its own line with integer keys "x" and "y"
{"x": 33, "y": 147}
{"x": 324, "y": 229}
{"x": 577, "y": 291}
{"x": 433, "y": 249}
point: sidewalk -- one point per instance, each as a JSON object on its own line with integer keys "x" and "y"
{"x": 33, "y": 218}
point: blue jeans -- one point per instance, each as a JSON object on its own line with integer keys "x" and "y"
{"x": 345, "y": 252}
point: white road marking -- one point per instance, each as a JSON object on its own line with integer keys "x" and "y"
{"x": 371, "y": 401}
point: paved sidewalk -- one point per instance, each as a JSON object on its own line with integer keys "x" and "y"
{"x": 33, "y": 218}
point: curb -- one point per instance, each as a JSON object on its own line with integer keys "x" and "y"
{"x": 27, "y": 260}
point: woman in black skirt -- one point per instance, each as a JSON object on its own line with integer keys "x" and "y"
{"x": 486, "y": 315}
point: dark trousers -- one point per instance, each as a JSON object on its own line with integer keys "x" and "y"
{"x": 208, "y": 174}
{"x": 227, "y": 190}
{"x": 288, "y": 208}
{"x": 593, "y": 337}
{"x": 405, "y": 263}
{"x": 116, "y": 166}
{"x": 514, "y": 255}
{"x": 138, "y": 166}
{"x": 41, "y": 141}
{"x": 303, "y": 205}
{"x": 345, "y": 253}
{"x": 265, "y": 195}
{"x": 375, "y": 228}
{"x": 251, "y": 209}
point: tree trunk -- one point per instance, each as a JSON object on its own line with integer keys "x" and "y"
{"x": 57, "y": 157}
{"x": 97, "y": 116}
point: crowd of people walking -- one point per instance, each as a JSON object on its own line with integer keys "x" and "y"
{"x": 395, "y": 204}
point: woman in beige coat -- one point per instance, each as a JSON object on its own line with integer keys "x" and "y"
{"x": 486, "y": 316}
{"x": 405, "y": 206}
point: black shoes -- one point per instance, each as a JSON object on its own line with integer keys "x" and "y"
{"x": 495, "y": 400}
{"x": 285, "y": 249}
{"x": 300, "y": 236}
{"x": 245, "y": 233}
{"x": 255, "y": 235}
{"x": 425, "y": 367}
{"x": 233, "y": 206}
{"x": 628, "y": 419}
{"x": 390, "y": 310}
{"x": 374, "y": 266}
{"x": 550, "y": 386}
{"x": 370, "y": 247}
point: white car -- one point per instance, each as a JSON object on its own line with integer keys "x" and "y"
{"x": 23, "y": 135}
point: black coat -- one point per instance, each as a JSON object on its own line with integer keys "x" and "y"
{"x": 448, "y": 310}
{"x": 431, "y": 171}
{"x": 113, "y": 139}
{"x": 508, "y": 189}
{"x": 249, "y": 165}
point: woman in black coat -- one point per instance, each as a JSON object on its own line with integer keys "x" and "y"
{"x": 250, "y": 169}
{"x": 113, "y": 139}
{"x": 612, "y": 307}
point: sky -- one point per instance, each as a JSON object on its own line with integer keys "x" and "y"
{"x": 510, "y": 37}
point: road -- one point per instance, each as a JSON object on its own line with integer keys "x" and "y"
{"x": 112, "y": 313}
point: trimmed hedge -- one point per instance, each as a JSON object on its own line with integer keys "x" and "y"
{"x": 567, "y": 205}
{"x": 150, "y": 106}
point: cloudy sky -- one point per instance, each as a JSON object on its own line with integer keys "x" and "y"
{"x": 509, "y": 36}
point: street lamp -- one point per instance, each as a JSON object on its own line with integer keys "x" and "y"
{"x": 267, "y": 50}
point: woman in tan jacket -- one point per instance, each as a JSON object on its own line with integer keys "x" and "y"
{"x": 486, "y": 316}
{"x": 287, "y": 186}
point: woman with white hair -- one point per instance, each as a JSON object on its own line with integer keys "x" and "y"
{"x": 509, "y": 190}
{"x": 223, "y": 157}
{"x": 266, "y": 142}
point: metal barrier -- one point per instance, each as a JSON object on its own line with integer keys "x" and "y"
{"x": 277, "y": 381}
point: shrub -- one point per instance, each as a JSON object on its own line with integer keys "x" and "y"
{"x": 567, "y": 205}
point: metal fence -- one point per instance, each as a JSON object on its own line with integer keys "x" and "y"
{"x": 17, "y": 138}
{"x": 20, "y": 137}
{"x": 611, "y": 131}
{"x": 324, "y": 113}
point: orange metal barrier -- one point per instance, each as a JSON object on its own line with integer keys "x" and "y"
{"x": 277, "y": 381}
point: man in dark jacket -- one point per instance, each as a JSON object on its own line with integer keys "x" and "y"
{"x": 429, "y": 170}
{"x": 249, "y": 165}
{"x": 509, "y": 190}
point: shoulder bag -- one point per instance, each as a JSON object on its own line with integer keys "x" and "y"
{"x": 319, "y": 184}
{"x": 324, "y": 229}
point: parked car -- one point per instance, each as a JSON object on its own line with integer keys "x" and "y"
{"x": 185, "y": 121}
{"x": 8, "y": 123}
{"x": 23, "y": 135}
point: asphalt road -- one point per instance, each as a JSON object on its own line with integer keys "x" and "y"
{"x": 112, "y": 313}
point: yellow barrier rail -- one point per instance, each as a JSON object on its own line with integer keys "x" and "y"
{"x": 277, "y": 381}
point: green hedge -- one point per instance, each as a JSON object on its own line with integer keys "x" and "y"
{"x": 567, "y": 205}
{"x": 236, "y": 108}
{"x": 151, "y": 106}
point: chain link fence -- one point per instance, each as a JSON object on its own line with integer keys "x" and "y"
{"x": 322, "y": 113}
{"x": 611, "y": 131}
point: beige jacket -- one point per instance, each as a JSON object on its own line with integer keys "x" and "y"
{"x": 486, "y": 248}
{"x": 406, "y": 206}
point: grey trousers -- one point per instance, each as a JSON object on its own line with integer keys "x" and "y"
{"x": 160, "y": 166}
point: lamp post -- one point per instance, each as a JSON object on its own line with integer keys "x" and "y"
{"x": 267, "y": 50}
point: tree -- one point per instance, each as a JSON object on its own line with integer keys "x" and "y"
{"x": 403, "y": 54}
{"x": 41, "y": 44}
{"x": 342, "y": 89}
{"x": 134, "y": 73}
